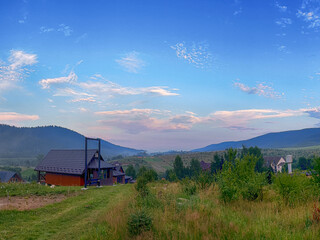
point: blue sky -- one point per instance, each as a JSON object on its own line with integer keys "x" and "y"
{"x": 161, "y": 75}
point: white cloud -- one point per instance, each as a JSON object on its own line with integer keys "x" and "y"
{"x": 283, "y": 22}
{"x": 98, "y": 89}
{"x": 261, "y": 89}
{"x": 281, "y": 8}
{"x": 16, "y": 117}
{"x": 140, "y": 120}
{"x": 71, "y": 78}
{"x": 15, "y": 70}
{"x": 65, "y": 29}
{"x": 131, "y": 62}
{"x": 196, "y": 54}
{"x": 88, "y": 99}
{"x": 111, "y": 89}
{"x": 20, "y": 59}
{"x": 44, "y": 29}
{"x": 309, "y": 12}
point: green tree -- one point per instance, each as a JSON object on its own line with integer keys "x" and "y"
{"x": 130, "y": 171}
{"x": 171, "y": 175}
{"x": 256, "y": 152}
{"x": 304, "y": 163}
{"x": 141, "y": 171}
{"x": 230, "y": 155}
{"x": 217, "y": 164}
{"x": 178, "y": 167}
{"x": 195, "y": 167}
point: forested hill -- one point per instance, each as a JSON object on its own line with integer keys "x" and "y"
{"x": 289, "y": 139}
{"x": 30, "y": 142}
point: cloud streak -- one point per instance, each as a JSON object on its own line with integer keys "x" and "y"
{"x": 16, "y": 117}
{"x": 134, "y": 121}
{"x": 98, "y": 88}
{"x": 47, "y": 83}
{"x": 260, "y": 89}
{"x": 131, "y": 62}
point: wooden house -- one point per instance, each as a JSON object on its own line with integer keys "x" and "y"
{"x": 9, "y": 176}
{"x": 118, "y": 173}
{"x": 67, "y": 168}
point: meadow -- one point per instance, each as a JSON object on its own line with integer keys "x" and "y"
{"x": 174, "y": 212}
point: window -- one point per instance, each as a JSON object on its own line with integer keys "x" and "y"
{"x": 108, "y": 171}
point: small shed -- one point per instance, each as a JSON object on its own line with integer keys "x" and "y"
{"x": 67, "y": 168}
{"x": 9, "y": 176}
{"x": 118, "y": 173}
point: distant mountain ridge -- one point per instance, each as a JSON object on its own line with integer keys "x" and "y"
{"x": 288, "y": 139}
{"x": 30, "y": 142}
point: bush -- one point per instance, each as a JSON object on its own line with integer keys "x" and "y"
{"x": 204, "y": 180}
{"x": 142, "y": 187}
{"x": 188, "y": 187}
{"x": 294, "y": 188}
{"x": 139, "y": 222}
{"x": 238, "y": 178}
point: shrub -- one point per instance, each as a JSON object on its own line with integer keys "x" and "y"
{"x": 238, "y": 178}
{"x": 294, "y": 189}
{"x": 204, "y": 180}
{"x": 139, "y": 222}
{"x": 188, "y": 187}
{"x": 142, "y": 187}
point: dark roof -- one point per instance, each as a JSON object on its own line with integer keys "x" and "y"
{"x": 269, "y": 159}
{"x": 5, "y": 176}
{"x": 69, "y": 161}
{"x": 94, "y": 164}
{"x": 205, "y": 166}
{"x": 118, "y": 166}
{"x": 118, "y": 173}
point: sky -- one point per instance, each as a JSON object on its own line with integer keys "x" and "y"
{"x": 161, "y": 75}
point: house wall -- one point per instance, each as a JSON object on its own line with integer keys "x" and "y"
{"x": 64, "y": 179}
{"x": 106, "y": 176}
{"x": 121, "y": 178}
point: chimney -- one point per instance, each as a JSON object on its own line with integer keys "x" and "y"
{"x": 289, "y": 162}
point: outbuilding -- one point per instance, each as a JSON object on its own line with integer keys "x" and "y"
{"x": 67, "y": 168}
{"x": 9, "y": 176}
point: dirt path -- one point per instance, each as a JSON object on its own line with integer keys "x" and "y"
{"x": 31, "y": 202}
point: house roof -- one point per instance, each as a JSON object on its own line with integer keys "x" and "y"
{"x": 5, "y": 176}
{"x": 205, "y": 166}
{"x": 268, "y": 160}
{"x": 118, "y": 166}
{"x": 94, "y": 164}
{"x": 70, "y": 161}
{"x": 118, "y": 173}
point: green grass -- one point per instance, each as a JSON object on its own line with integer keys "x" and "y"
{"x": 81, "y": 216}
{"x": 28, "y": 189}
{"x": 103, "y": 213}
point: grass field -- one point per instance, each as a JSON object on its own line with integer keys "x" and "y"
{"x": 76, "y": 217}
{"x": 102, "y": 213}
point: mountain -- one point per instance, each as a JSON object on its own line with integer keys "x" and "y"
{"x": 288, "y": 139}
{"x": 30, "y": 142}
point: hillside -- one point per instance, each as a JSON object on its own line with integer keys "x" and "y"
{"x": 288, "y": 139}
{"x": 29, "y": 142}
